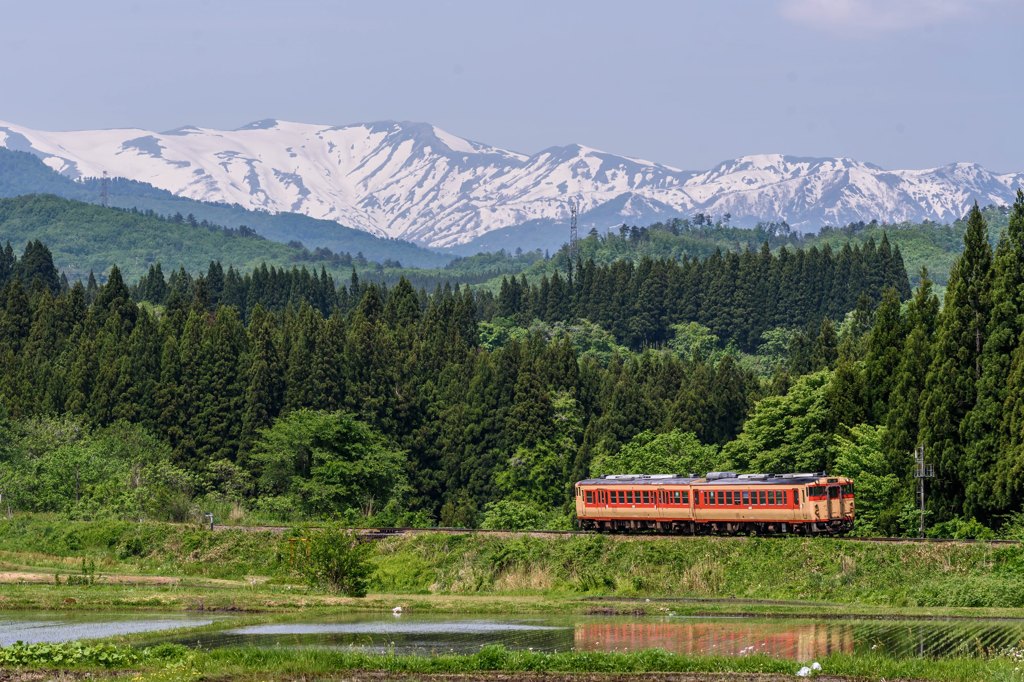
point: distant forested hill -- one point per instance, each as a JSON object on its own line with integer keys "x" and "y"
{"x": 85, "y": 238}
{"x": 22, "y": 173}
{"x": 929, "y": 245}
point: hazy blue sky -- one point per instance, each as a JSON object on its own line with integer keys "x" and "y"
{"x": 901, "y": 83}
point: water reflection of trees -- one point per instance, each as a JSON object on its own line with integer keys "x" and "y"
{"x": 800, "y": 640}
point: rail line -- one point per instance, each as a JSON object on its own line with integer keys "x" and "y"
{"x": 384, "y": 533}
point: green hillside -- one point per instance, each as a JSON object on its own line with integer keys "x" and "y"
{"x": 86, "y": 238}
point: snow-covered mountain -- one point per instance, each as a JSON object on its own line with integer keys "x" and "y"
{"x": 417, "y": 182}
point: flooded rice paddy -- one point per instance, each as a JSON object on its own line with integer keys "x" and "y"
{"x": 41, "y": 626}
{"x": 416, "y": 634}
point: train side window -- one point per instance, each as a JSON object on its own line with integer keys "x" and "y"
{"x": 647, "y": 497}
{"x": 760, "y": 497}
{"x": 720, "y": 497}
{"x": 629, "y": 497}
{"x": 590, "y": 497}
{"x": 685, "y": 497}
{"x": 746, "y": 497}
{"x": 728, "y": 497}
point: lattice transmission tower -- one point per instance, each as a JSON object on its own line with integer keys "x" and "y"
{"x": 105, "y": 190}
{"x": 574, "y": 232}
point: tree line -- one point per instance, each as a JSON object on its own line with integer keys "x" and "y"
{"x": 288, "y": 396}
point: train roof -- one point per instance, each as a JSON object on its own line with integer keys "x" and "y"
{"x": 713, "y": 478}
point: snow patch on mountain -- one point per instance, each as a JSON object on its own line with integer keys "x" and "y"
{"x": 418, "y": 182}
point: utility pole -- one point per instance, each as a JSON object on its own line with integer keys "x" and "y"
{"x": 922, "y": 471}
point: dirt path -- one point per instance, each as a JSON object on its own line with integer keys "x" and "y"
{"x": 9, "y": 577}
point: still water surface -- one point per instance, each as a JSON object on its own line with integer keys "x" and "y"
{"x": 410, "y": 633}
{"x": 57, "y": 626}
{"x": 795, "y": 639}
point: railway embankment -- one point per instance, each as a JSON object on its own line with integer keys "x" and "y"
{"x": 828, "y": 570}
{"x": 804, "y": 569}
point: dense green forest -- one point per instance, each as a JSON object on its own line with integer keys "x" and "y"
{"x": 281, "y": 395}
{"x": 923, "y": 245}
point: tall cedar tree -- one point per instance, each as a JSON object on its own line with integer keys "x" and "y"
{"x": 985, "y": 430}
{"x": 903, "y": 420}
{"x": 950, "y": 391}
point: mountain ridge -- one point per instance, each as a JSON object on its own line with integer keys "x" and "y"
{"x": 418, "y": 182}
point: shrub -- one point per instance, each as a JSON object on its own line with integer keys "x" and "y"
{"x": 520, "y": 515}
{"x": 337, "y": 561}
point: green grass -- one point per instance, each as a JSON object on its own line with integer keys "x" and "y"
{"x": 175, "y": 662}
{"x": 815, "y": 569}
{"x": 47, "y": 541}
{"x": 240, "y": 563}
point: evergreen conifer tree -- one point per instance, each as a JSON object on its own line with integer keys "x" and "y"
{"x": 950, "y": 391}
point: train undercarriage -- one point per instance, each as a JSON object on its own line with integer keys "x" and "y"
{"x": 830, "y": 527}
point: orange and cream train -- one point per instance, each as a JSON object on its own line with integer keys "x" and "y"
{"x": 721, "y": 502}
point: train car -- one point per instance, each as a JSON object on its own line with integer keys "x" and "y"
{"x": 717, "y": 503}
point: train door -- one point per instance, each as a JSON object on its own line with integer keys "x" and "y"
{"x": 835, "y": 502}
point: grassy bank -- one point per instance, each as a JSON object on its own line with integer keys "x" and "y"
{"x": 174, "y": 662}
{"x": 185, "y": 563}
{"x": 815, "y": 569}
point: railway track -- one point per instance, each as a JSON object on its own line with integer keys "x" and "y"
{"x": 384, "y": 533}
